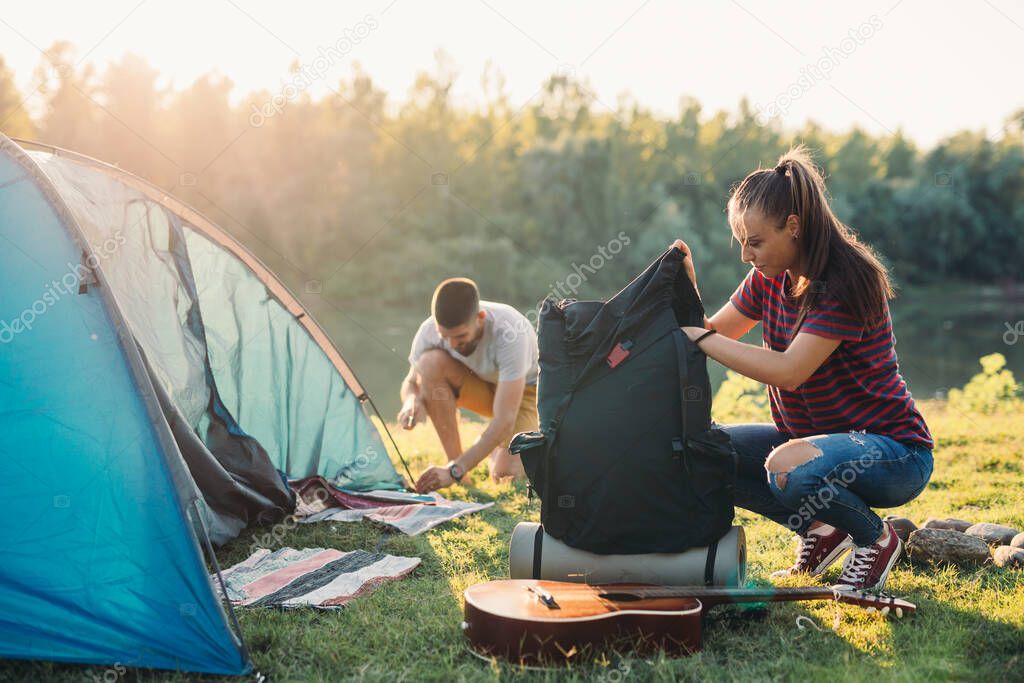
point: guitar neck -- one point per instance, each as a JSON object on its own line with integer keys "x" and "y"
{"x": 718, "y": 596}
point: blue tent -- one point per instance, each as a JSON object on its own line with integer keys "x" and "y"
{"x": 158, "y": 385}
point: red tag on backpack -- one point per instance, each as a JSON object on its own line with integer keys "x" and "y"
{"x": 618, "y": 354}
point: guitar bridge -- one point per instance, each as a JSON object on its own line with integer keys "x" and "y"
{"x": 546, "y": 598}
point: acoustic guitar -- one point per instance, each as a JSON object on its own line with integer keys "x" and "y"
{"x": 550, "y": 622}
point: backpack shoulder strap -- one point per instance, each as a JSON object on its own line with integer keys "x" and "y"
{"x": 684, "y": 374}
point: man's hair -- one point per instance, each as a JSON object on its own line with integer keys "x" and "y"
{"x": 455, "y": 302}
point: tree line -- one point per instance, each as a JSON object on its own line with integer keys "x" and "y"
{"x": 368, "y": 200}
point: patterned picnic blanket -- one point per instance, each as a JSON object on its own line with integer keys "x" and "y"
{"x": 409, "y": 513}
{"x": 315, "y": 577}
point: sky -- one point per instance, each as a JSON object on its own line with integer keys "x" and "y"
{"x": 930, "y": 68}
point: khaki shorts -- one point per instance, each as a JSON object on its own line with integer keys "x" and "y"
{"x": 477, "y": 394}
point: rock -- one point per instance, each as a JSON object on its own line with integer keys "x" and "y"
{"x": 902, "y": 525}
{"x": 948, "y": 523}
{"x": 946, "y": 546}
{"x": 1008, "y": 556}
{"x": 993, "y": 534}
{"x": 1018, "y": 540}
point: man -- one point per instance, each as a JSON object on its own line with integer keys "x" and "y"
{"x": 477, "y": 355}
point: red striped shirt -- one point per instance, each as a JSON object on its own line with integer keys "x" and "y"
{"x": 858, "y": 387}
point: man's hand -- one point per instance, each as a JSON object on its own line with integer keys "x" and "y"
{"x": 434, "y": 478}
{"x": 413, "y": 412}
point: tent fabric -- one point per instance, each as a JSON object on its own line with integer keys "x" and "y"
{"x": 100, "y": 564}
{"x": 158, "y": 387}
{"x": 274, "y": 378}
{"x": 628, "y": 460}
{"x": 278, "y": 383}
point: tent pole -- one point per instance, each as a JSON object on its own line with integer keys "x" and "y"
{"x": 208, "y": 547}
{"x": 412, "y": 480}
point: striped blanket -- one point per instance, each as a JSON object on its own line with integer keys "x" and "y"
{"x": 407, "y": 512}
{"x": 315, "y": 577}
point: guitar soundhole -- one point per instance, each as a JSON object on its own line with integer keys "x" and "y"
{"x": 621, "y": 597}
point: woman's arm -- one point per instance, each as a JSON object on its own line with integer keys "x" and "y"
{"x": 783, "y": 369}
{"x": 730, "y": 322}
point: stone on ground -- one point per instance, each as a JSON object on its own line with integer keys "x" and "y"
{"x": 902, "y": 525}
{"x": 1008, "y": 556}
{"x": 947, "y": 523}
{"x": 946, "y": 546}
{"x": 993, "y": 534}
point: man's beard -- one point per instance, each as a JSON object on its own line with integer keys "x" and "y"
{"x": 468, "y": 349}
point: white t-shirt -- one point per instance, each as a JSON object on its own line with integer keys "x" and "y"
{"x": 507, "y": 351}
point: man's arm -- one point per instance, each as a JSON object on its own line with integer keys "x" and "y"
{"x": 410, "y": 385}
{"x": 507, "y": 397}
{"x": 413, "y": 410}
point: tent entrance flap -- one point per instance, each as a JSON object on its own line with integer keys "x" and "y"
{"x": 199, "y": 303}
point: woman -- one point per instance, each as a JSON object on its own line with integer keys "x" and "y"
{"x": 846, "y": 435}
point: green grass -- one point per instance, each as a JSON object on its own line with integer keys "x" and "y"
{"x": 970, "y": 623}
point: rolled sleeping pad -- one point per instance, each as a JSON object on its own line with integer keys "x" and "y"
{"x": 533, "y": 554}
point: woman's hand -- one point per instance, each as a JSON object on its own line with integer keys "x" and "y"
{"x": 687, "y": 262}
{"x": 693, "y": 332}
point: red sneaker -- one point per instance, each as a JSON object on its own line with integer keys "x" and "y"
{"x": 817, "y": 551}
{"x": 868, "y": 567}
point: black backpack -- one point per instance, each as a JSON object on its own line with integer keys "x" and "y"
{"x": 628, "y": 459}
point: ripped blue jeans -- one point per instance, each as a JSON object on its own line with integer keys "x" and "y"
{"x": 854, "y": 472}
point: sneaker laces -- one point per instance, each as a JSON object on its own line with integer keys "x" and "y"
{"x": 806, "y": 547}
{"x": 859, "y": 563}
